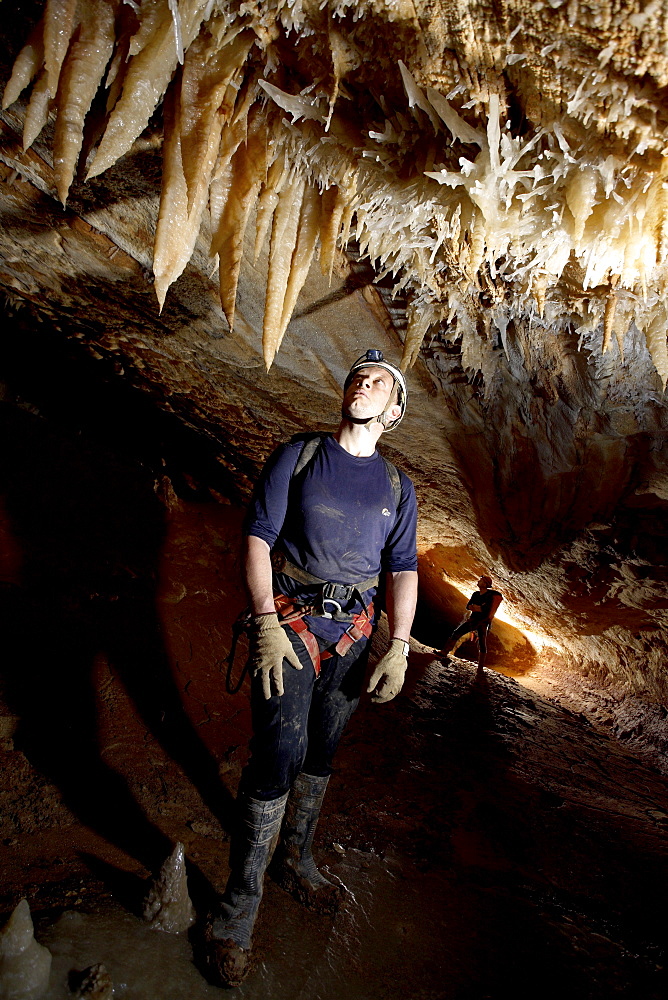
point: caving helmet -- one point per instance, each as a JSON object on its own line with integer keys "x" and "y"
{"x": 375, "y": 357}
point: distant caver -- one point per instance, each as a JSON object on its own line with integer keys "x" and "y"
{"x": 483, "y": 605}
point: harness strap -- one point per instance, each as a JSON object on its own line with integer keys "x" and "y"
{"x": 281, "y": 564}
{"x": 299, "y": 626}
{"x": 292, "y": 614}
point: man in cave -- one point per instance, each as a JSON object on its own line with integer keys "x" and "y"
{"x": 330, "y": 517}
{"x": 483, "y": 605}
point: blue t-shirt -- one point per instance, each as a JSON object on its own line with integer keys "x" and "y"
{"x": 336, "y": 519}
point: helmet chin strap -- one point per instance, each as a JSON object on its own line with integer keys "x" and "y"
{"x": 365, "y": 421}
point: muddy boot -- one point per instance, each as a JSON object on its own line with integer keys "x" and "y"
{"x": 293, "y": 866}
{"x": 229, "y": 928}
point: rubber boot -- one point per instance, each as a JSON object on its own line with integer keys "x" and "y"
{"x": 293, "y": 867}
{"x": 229, "y": 929}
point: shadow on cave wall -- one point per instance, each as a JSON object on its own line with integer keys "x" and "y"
{"x": 85, "y": 528}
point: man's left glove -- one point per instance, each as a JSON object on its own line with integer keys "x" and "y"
{"x": 388, "y": 677}
{"x": 269, "y": 646}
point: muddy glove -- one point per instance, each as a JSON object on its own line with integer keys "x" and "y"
{"x": 388, "y": 677}
{"x": 269, "y": 646}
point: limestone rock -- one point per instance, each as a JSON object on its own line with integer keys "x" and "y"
{"x": 95, "y": 984}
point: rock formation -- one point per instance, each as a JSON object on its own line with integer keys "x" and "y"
{"x": 25, "y": 965}
{"x": 167, "y": 906}
{"x": 518, "y": 154}
{"x": 95, "y": 984}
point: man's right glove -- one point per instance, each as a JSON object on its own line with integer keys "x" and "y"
{"x": 269, "y": 646}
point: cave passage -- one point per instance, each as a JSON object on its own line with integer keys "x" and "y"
{"x": 490, "y": 840}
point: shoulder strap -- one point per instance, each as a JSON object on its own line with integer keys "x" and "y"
{"x": 395, "y": 481}
{"x": 311, "y": 444}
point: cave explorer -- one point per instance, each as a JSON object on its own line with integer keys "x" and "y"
{"x": 483, "y": 606}
{"x": 329, "y": 515}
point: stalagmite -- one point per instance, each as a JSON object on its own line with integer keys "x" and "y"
{"x": 25, "y": 965}
{"x": 167, "y": 906}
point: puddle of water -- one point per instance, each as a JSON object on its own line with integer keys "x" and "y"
{"x": 144, "y": 964}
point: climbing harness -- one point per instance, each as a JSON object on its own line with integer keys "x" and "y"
{"x": 292, "y": 613}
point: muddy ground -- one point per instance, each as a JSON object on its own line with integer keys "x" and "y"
{"x": 498, "y": 842}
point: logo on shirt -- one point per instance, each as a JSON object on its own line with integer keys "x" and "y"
{"x": 386, "y": 512}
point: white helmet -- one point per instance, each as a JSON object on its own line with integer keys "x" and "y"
{"x": 375, "y": 357}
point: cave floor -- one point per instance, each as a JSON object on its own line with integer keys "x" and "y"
{"x": 491, "y": 842}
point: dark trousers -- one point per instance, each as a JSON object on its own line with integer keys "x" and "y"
{"x": 300, "y": 731}
{"x": 481, "y": 626}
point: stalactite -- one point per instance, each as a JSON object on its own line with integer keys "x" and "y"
{"x": 37, "y": 112}
{"x": 59, "y": 23}
{"x": 442, "y": 189}
{"x": 307, "y": 235}
{"x": 80, "y": 78}
{"x": 283, "y": 240}
{"x": 268, "y": 201}
{"x": 26, "y": 66}
{"x": 248, "y": 171}
{"x": 146, "y": 80}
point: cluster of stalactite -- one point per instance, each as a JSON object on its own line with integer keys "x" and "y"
{"x": 440, "y": 190}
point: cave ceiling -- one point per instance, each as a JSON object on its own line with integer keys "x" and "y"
{"x": 230, "y": 201}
